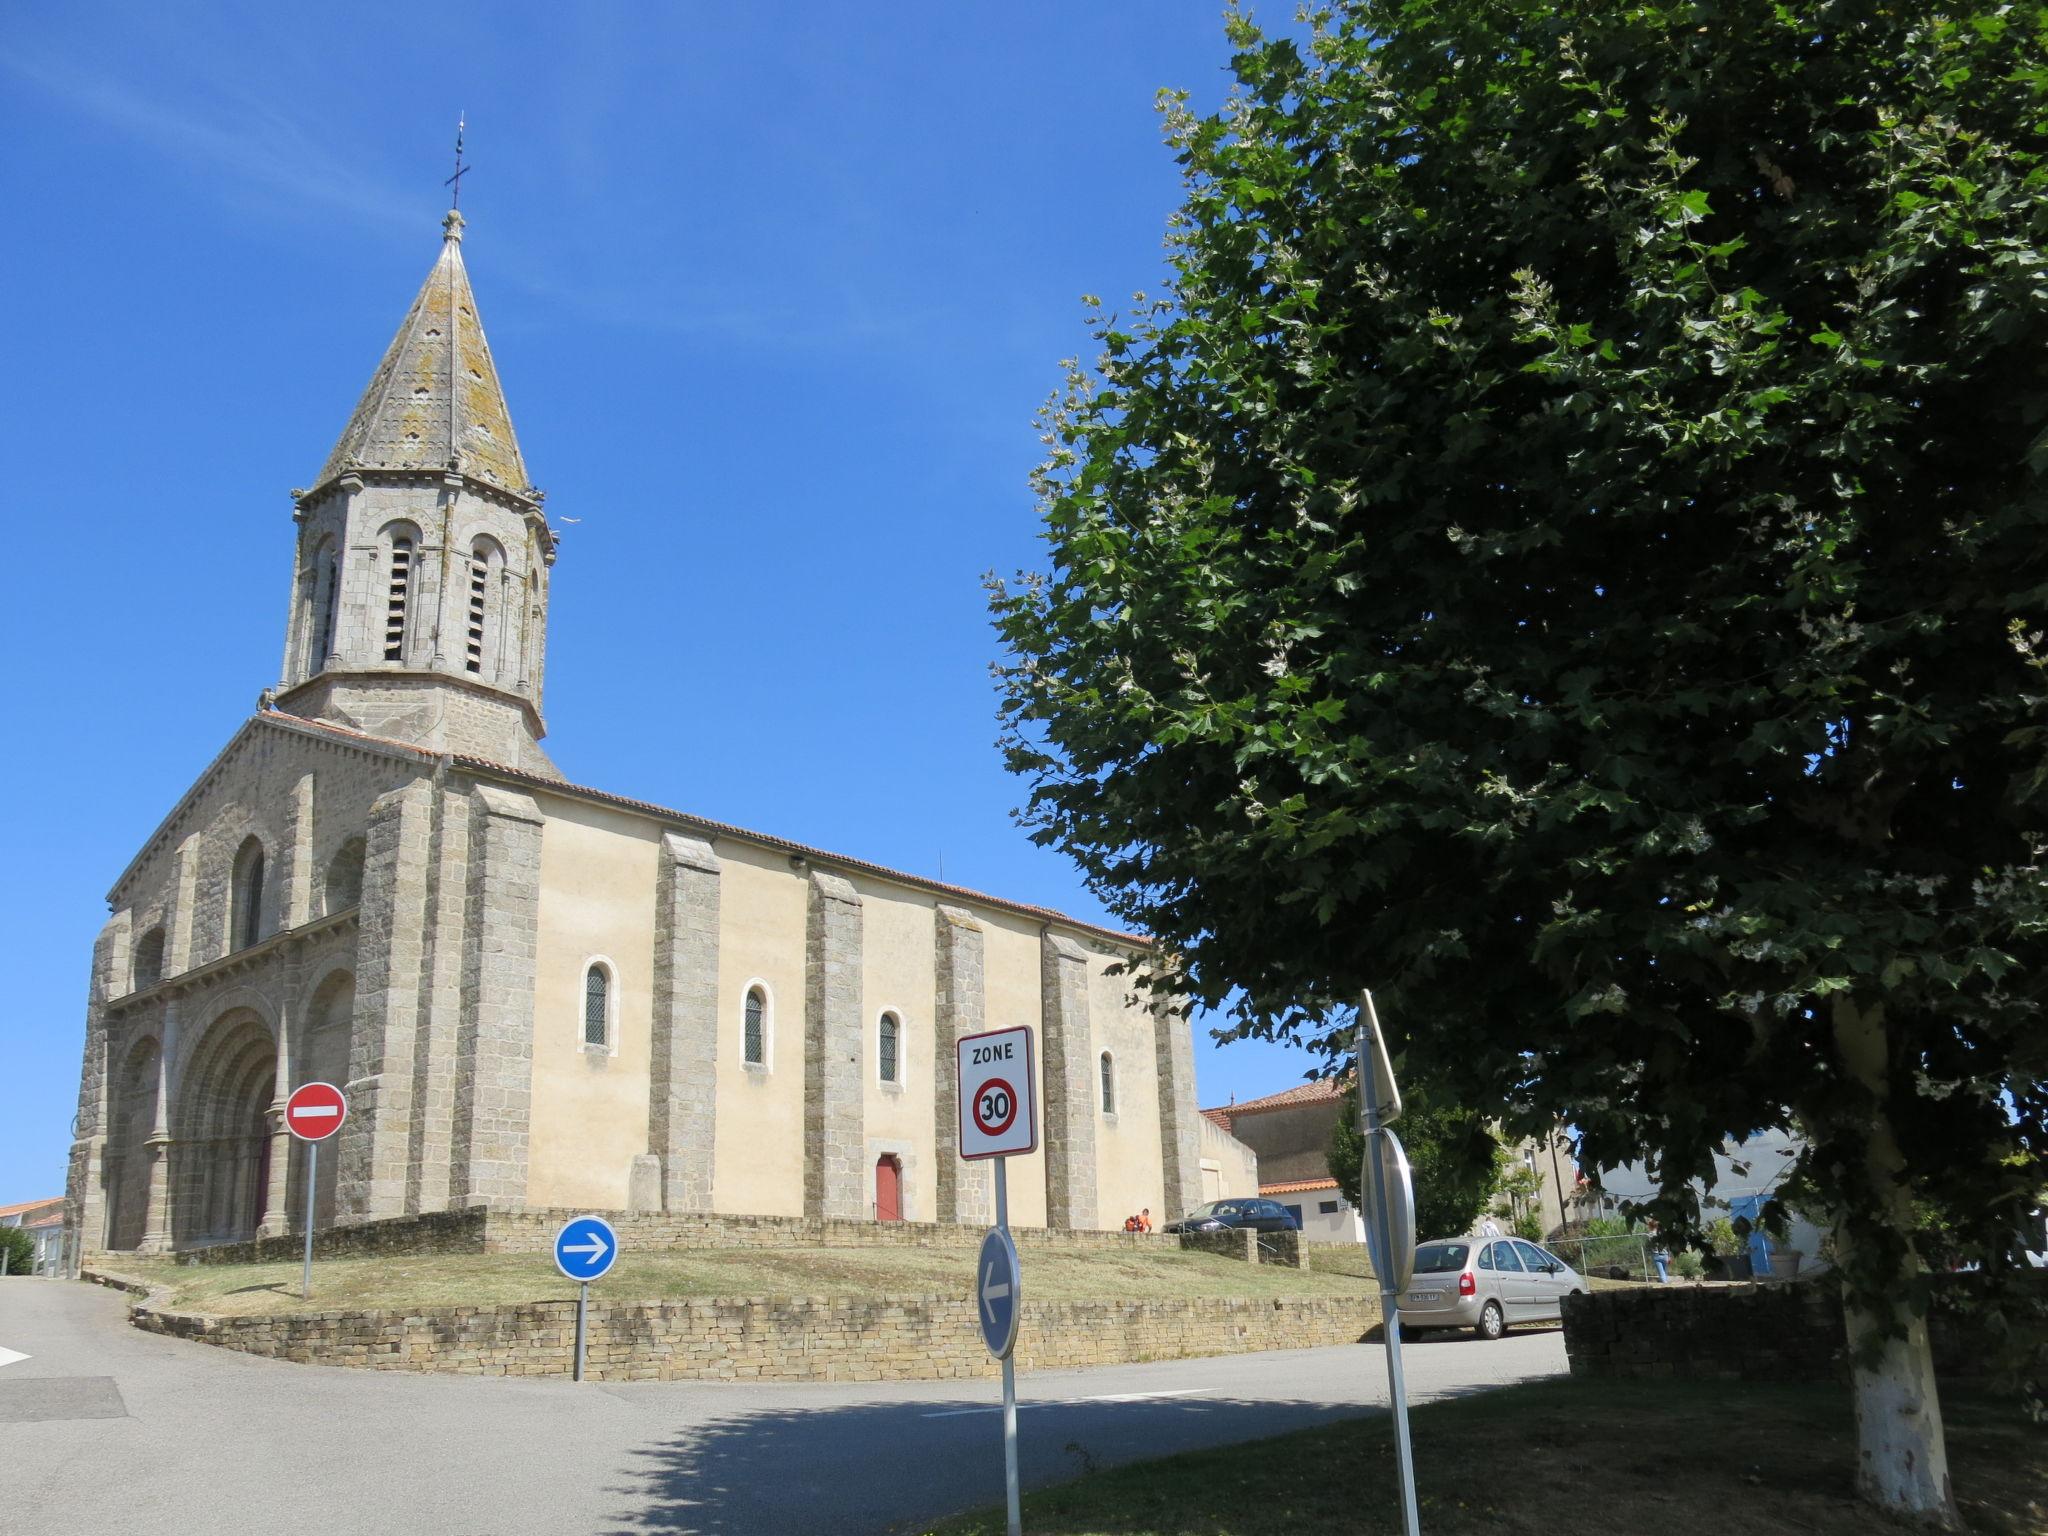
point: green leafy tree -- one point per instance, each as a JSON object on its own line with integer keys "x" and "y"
{"x": 1455, "y": 1159}
{"x": 20, "y": 1249}
{"x": 1570, "y": 551}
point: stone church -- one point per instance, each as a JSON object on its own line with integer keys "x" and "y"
{"x": 537, "y": 994}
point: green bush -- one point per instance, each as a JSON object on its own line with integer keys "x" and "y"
{"x": 1689, "y": 1265}
{"x": 20, "y": 1249}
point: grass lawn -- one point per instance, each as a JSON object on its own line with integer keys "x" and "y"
{"x": 1557, "y": 1456}
{"x": 490, "y": 1279}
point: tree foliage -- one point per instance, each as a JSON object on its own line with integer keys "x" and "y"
{"x": 21, "y": 1250}
{"x": 1453, "y": 1155}
{"x": 1570, "y": 551}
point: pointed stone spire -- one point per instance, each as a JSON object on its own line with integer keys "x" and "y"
{"x": 435, "y": 402}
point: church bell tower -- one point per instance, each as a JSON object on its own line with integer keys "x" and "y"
{"x": 420, "y": 588}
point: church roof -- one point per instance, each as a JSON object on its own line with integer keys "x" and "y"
{"x": 435, "y": 401}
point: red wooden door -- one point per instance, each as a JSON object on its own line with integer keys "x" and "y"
{"x": 888, "y": 1189}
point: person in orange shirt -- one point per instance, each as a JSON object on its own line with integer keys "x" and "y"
{"x": 1145, "y": 1219}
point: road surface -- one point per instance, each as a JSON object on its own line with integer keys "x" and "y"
{"x": 107, "y": 1430}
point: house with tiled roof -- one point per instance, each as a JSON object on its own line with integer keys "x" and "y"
{"x": 43, "y": 1220}
{"x": 540, "y": 994}
{"x": 1290, "y": 1133}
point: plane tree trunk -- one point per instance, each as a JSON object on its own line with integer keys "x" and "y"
{"x": 1901, "y": 1451}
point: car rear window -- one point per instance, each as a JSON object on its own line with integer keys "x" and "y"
{"x": 1440, "y": 1258}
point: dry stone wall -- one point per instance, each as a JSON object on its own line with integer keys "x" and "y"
{"x": 901, "y": 1338}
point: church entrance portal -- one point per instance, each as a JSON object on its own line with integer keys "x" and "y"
{"x": 220, "y": 1153}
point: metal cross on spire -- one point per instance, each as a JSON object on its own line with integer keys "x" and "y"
{"x": 461, "y": 170}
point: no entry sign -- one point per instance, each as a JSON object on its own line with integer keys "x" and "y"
{"x": 315, "y": 1111}
{"x": 998, "y": 1109}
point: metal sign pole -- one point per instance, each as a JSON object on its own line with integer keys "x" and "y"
{"x": 1390, "y": 1296}
{"x": 1009, "y": 1375}
{"x": 312, "y": 1167}
{"x": 582, "y": 1313}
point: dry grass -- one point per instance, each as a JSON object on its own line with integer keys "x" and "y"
{"x": 1558, "y": 1456}
{"x": 493, "y": 1279}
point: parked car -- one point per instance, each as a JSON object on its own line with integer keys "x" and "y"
{"x": 1217, "y": 1215}
{"x": 1487, "y": 1284}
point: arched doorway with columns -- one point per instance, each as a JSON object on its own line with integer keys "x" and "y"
{"x": 129, "y": 1153}
{"x": 220, "y": 1154}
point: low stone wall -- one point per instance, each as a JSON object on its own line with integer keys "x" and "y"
{"x": 1795, "y": 1333}
{"x": 481, "y": 1230}
{"x": 1253, "y": 1247}
{"x": 901, "y": 1338}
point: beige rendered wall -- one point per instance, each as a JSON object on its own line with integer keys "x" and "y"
{"x": 1010, "y": 971}
{"x": 1229, "y": 1167}
{"x": 762, "y": 913}
{"x": 597, "y": 874}
{"x": 897, "y": 965}
{"x": 1129, "y": 1172}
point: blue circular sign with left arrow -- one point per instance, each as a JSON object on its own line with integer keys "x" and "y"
{"x": 586, "y": 1248}
{"x": 996, "y": 1299}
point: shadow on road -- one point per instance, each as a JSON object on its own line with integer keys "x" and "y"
{"x": 891, "y": 1467}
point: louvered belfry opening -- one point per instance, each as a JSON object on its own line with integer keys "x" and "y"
{"x": 397, "y": 598}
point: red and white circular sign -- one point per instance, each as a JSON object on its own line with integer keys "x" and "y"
{"x": 315, "y": 1111}
{"x": 995, "y": 1107}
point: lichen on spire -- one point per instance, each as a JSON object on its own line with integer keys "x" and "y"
{"x": 435, "y": 401}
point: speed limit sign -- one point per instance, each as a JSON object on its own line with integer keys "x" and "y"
{"x": 998, "y": 1107}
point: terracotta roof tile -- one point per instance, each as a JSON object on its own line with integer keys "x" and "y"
{"x": 30, "y": 1205}
{"x": 1296, "y": 1186}
{"x": 1323, "y": 1088}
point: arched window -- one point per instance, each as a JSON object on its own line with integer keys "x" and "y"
{"x": 486, "y": 562}
{"x": 398, "y": 595}
{"x": 245, "y": 904}
{"x": 149, "y": 959}
{"x": 888, "y": 1049}
{"x": 344, "y": 885}
{"x": 1108, "y": 1085}
{"x": 323, "y": 605}
{"x": 754, "y": 1040}
{"x": 597, "y": 1006}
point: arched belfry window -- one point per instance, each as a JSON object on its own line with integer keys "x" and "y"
{"x": 889, "y": 1049}
{"x": 486, "y": 565}
{"x": 1108, "y": 1084}
{"x": 398, "y": 593}
{"x": 323, "y": 604}
{"x": 597, "y": 1006}
{"x": 245, "y": 902}
{"x": 149, "y": 958}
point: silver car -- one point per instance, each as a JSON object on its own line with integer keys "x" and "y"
{"x": 1487, "y": 1284}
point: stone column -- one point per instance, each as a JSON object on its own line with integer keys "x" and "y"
{"x": 156, "y": 1221}
{"x": 494, "y": 1054}
{"x": 959, "y": 1007}
{"x": 374, "y": 1145}
{"x": 1069, "y": 1077}
{"x": 682, "y": 1083}
{"x": 85, "y": 1190}
{"x": 275, "y": 1221}
{"x": 834, "y": 1146}
{"x": 1180, "y": 1142}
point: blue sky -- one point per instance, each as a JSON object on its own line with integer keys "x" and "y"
{"x": 774, "y": 291}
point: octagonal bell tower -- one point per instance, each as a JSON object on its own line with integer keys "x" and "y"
{"x": 420, "y": 588}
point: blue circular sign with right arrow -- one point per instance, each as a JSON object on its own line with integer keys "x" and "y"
{"x": 996, "y": 1299}
{"x": 586, "y": 1248}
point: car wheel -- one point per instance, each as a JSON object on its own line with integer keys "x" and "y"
{"x": 1491, "y": 1323}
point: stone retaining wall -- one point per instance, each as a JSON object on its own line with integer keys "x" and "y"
{"x": 492, "y": 1231}
{"x": 1795, "y": 1333}
{"x": 900, "y": 1338}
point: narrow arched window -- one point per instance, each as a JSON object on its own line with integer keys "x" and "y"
{"x": 344, "y": 884}
{"x": 149, "y": 959}
{"x": 325, "y": 592}
{"x": 483, "y": 558}
{"x": 245, "y": 904}
{"x": 888, "y": 1048}
{"x": 597, "y": 1014}
{"x": 1108, "y": 1085}
{"x": 754, "y": 1044}
{"x": 398, "y": 597}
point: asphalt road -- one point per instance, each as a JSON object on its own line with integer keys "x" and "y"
{"x": 109, "y": 1431}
